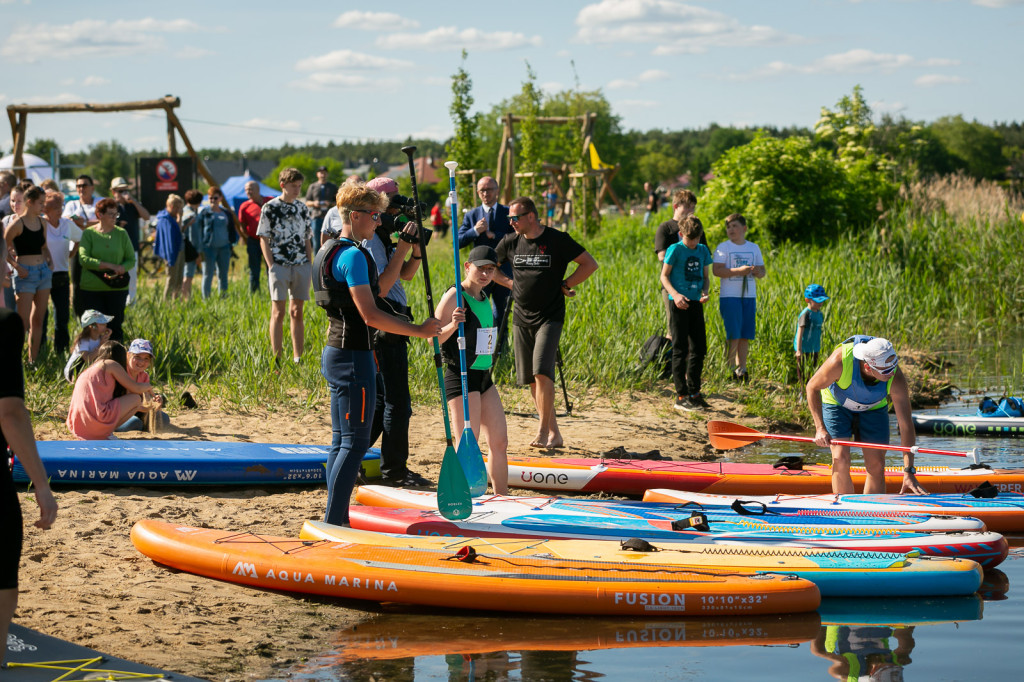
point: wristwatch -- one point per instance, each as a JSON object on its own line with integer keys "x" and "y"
{"x": 910, "y": 470}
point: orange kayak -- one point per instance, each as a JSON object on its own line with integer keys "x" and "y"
{"x": 440, "y": 578}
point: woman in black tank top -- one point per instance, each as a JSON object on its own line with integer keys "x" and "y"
{"x": 33, "y": 268}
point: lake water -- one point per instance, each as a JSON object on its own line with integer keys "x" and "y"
{"x": 887, "y": 640}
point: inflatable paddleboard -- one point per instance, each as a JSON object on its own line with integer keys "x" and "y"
{"x": 183, "y": 462}
{"x": 939, "y": 425}
{"x": 31, "y": 656}
{"x": 633, "y": 477}
{"x": 1003, "y": 513}
{"x": 440, "y": 578}
{"x": 900, "y": 612}
{"x": 392, "y": 636}
{"x": 721, "y": 516}
{"x": 606, "y": 520}
{"x": 836, "y": 573}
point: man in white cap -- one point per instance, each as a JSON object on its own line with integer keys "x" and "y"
{"x": 129, "y": 212}
{"x": 851, "y": 392}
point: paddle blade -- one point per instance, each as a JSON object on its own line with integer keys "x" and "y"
{"x": 453, "y": 499}
{"x": 727, "y": 436}
{"x": 472, "y": 461}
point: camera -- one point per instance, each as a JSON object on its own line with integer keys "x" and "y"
{"x": 392, "y": 226}
{"x": 407, "y": 206}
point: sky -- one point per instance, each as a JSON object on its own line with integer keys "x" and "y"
{"x": 259, "y": 74}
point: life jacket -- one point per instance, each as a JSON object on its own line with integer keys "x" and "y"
{"x": 850, "y": 390}
{"x": 1006, "y": 407}
{"x": 480, "y": 316}
{"x": 347, "y": 328}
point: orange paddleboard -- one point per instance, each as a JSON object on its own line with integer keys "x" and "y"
{"x": 439, "y": 578}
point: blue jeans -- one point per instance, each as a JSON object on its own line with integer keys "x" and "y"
{"x": 318, "y": 226}
{"x": 220, "y": 258}
{"x": 252, "y": 247}
{"x": 352, "y": 381}
{"x": 393, "y": 408}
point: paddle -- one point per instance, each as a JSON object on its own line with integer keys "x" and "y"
{"x": 453, "y": 499}
{"x": 469, "y": 451}
{"x": 727, "y": 436}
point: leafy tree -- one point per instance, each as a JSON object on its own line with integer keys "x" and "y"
{"x": 105, "y": 161}
{"x": 788, "y": 190}
{"x": 43, "y": 148}
{"x": 307, "y": 164}
{"x": 530, "y": 153}
{"x": 464, "y": 146}
{"x": 978, "y": 148}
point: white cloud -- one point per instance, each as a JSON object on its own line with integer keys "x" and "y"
{"x": 564, "y": 54}
{"x": 451, "y": 38}
{"x": 621, "y": 84}
{"x": 851, "y": 61}
{"x": 653, "y": 75}
{"x": 270, "y": 123}
{"x": 430, "y": 132}
{"x": 552, "y": 87}
{"x": 323, "y": 80}
{"x": 91, "y": 38}
{"x": 194, "y": 52}
{"x": 997, "y": 4}
{"x": 883, "y": 107}
{"x": 92, "y": 81}
{"x": 375, "y": 21}
{"x": 637, "y": 103}
{"x": 673, "y": 27}
{"x": 932, "y": 79}
{"x": 347, "y": 59}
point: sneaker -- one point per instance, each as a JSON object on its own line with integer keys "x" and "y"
{"x": 697, "y": 402}
{"x": 683, "y": 403}
{"x": 410, "y": 480}
{"x": 741, "y": 375}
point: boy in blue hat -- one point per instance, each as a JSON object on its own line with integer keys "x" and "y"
{"x": 808, "y": 329}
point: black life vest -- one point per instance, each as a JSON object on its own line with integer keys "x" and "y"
{"x": 347, "y": 328}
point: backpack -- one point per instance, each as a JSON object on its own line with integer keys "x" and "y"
{"x": 657, "y": 351}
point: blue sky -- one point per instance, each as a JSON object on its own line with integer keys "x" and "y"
{"x": 271, "y": 72}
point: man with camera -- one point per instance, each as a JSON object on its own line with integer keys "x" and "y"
{"x": 394, "y": 405}
{"x": 129, "y": 211}
{"x": 320, "y": 196}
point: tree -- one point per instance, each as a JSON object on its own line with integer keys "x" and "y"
{"x": 978, "y": 148}
{"x": 105, "y": 161}
{"x": 464, "y": 146}
{"x": 44, "y": 148}
{"x": 307, "y": 165}
{"x": 788, "y": 190}
{"x": 530, "y": 155}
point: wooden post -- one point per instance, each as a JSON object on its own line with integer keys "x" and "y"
{"x": 171, "y": 148}
{"x": 200, "y": 166}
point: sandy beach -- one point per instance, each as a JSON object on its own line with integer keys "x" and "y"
{"x": 84, "y": 581}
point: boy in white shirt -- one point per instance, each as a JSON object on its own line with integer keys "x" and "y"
{"x": 739, "y": 264}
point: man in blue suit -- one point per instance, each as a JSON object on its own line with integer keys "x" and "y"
{"x": 485, "y": 225}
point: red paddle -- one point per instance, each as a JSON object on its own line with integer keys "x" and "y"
{"x": 727, "y": 436}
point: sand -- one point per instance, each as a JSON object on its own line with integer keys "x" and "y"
{"x": 83, "y": 580}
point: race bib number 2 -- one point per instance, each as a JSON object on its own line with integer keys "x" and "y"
{"x": 486, "y": 340}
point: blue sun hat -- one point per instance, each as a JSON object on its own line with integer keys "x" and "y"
{"x": 816, "y": 293}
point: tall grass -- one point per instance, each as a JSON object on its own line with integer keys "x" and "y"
{"x": 921, "y": 278}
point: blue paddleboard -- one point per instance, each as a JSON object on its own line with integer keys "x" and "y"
{"x": 184, "y": 462}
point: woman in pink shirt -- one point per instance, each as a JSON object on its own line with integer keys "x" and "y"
{"x": 95, "y": 411}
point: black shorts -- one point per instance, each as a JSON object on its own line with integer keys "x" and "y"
{"x": 11, "y": 531}
{"x": 536, "y": 350}
{"x": 479, "y": 381}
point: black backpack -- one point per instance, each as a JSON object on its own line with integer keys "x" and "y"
{"x": 657, "y": 351}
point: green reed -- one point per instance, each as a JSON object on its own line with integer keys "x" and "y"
{"x": 921, "y": 280}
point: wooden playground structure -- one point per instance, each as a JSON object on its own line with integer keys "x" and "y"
{"x": 569, "y": 188}
{"x": 18, "y": 115}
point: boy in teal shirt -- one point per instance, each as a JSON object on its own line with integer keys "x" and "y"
{"x": 808, "y": 329}
{"x": 686, "y": 276}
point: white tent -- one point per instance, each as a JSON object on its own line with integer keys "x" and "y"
{"x": 35, "y": 168}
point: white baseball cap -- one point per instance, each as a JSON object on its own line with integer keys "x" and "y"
{"x": 878, "y": 353}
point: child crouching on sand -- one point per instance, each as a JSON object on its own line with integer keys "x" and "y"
{"x": 96, "y": 409}
{"x": 140, "y": 360}
{"x": 486, "y": 414}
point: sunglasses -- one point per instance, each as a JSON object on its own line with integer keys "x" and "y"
{"x": 887, "y": 371}
{"x": 374, "y": 215}
{"x": 515, "y": 218}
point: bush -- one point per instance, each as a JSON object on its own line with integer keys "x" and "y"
{"x": 790, "y": 191}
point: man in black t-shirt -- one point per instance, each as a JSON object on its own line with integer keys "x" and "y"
{"x": 16, "y": 430}
{"x": 539, "y": 256}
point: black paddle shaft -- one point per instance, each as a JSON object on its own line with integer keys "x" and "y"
{"x": 409, "y": 151}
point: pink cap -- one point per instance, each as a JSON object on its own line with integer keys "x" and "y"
{"x": 383, "y": 185}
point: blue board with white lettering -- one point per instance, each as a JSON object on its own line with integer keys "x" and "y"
{"x": 183, "y": 462}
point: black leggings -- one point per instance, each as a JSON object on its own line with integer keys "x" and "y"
{"x": 11, "y": 531}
